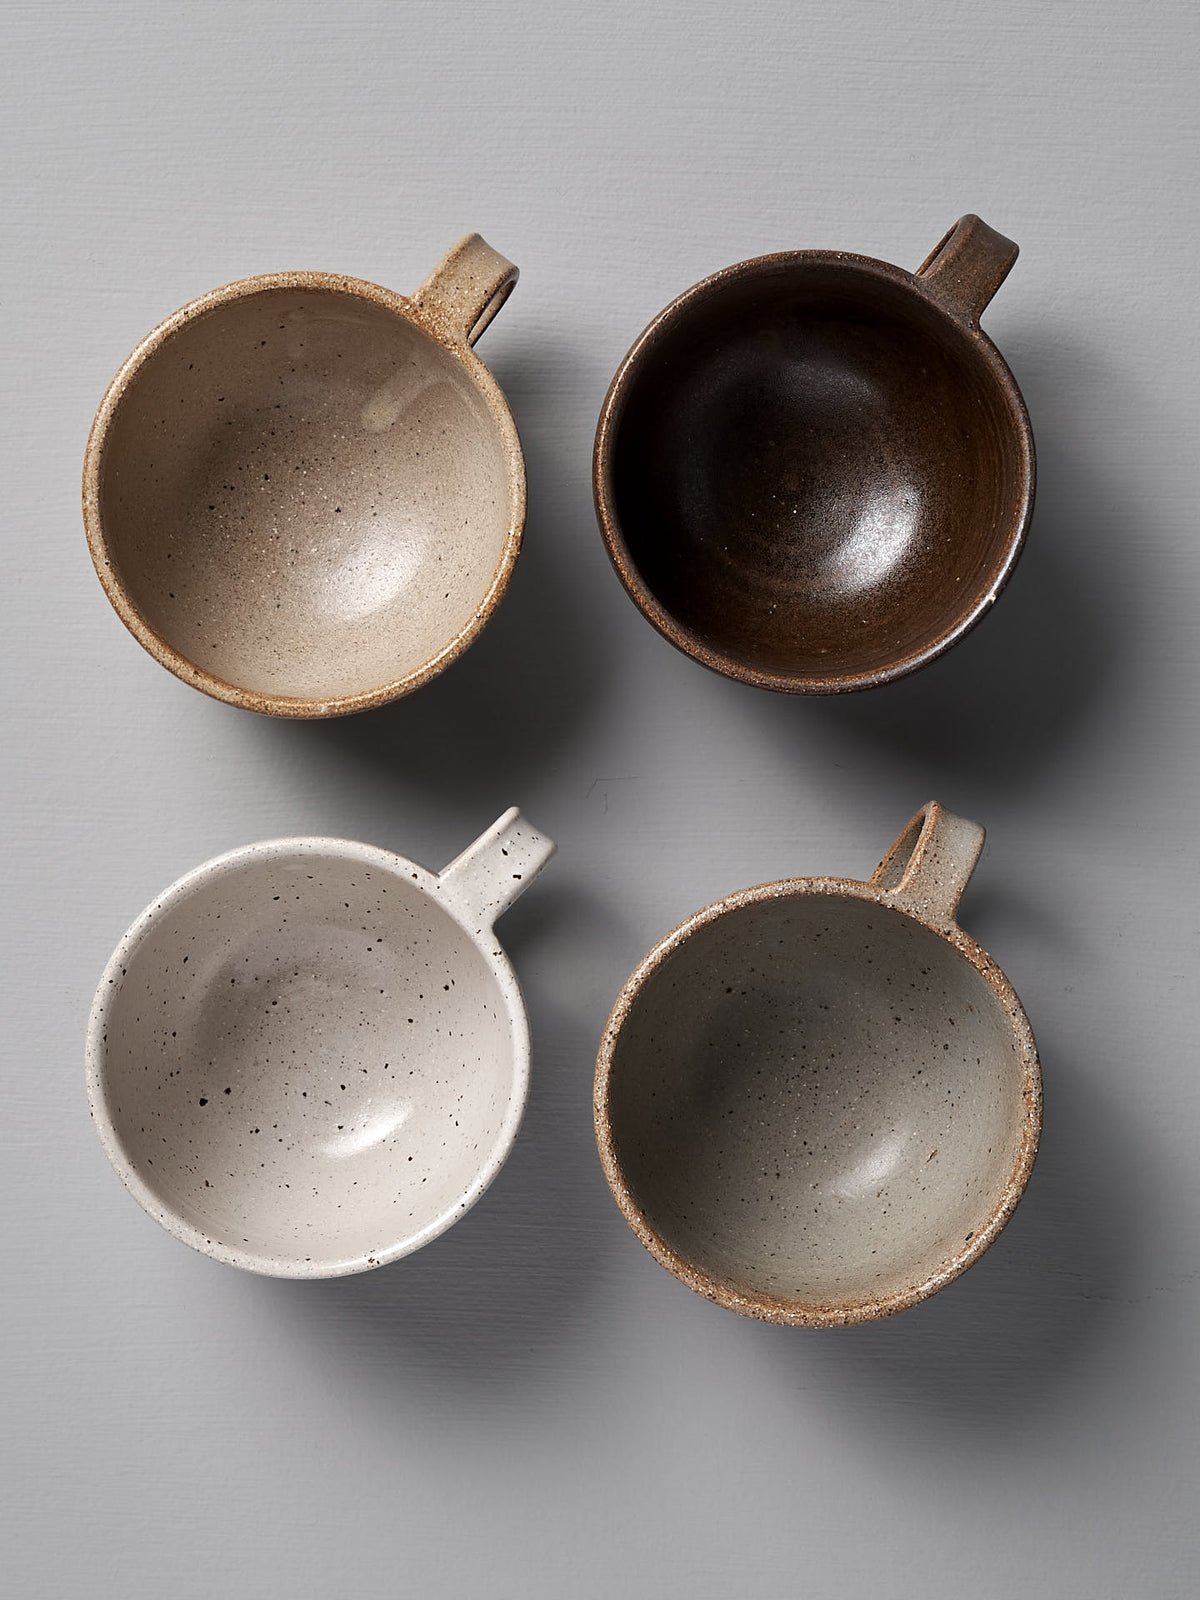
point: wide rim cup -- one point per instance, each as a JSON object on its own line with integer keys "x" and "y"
{"x": 230, "y": 862}
{"x": 770, "y": 1308}
{"x": 435, "y": 327}
{"x": 615, "y": 402}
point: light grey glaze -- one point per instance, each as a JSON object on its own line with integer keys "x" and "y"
{"x": 819, "y": 1100}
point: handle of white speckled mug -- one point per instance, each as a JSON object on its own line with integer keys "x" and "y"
{"x": 466, "y": 289}
{"x": 491, "y": 873}
{"x": 931, "y": 862}
{"x": 966, "y": 268}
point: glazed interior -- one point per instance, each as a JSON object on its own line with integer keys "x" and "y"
{"x": 815, "y": 472}
{"x": 304, "y": 494}
{"x": 816, "y": 1100}
{"x": 308, "y": 1061}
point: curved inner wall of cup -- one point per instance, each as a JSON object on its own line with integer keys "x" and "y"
{"x": 308, "y": 1059}
{"x": 305, "y": 494}
{"x": 817, "y": 1099}
{"x": 816, "y": 472}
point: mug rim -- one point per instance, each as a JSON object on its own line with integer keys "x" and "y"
{"x": 228, "y": 863}
{"x": 776, "y": 1308}
{"x": 130, "y": 613}
{"x": 627, "y": 570}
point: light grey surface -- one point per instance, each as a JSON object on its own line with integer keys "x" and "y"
{"x": 531, "y": 1406}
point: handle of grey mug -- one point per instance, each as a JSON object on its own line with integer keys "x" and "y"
{"x": 967, "y": 267}
{"x": 931, "y": 862}
{"x": 466, "y": 289}
{"x": 491, "y": 873}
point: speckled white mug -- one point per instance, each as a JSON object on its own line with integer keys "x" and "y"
{"x": 310, "y": 1057}
{"x": 818, "y": 1101}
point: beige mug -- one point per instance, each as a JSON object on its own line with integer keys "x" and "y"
{"x": 305, "y": 494}
{"x": 819, "y": 1101}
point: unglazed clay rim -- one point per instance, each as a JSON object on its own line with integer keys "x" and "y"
{"x": 770, "y": 1308}
{"x": 159, "y": 648}
{"x": 277, "y": 1266}
{"x": 626, "y": 568}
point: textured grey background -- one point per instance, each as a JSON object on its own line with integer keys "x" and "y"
{"x": 531, "y": 1407}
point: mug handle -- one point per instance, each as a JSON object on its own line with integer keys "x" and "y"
{"x": 466, "y": 289}
{"x": 931, "y": 862}
{"x": 490, "y": 874}
{"x": 966, "y": 268}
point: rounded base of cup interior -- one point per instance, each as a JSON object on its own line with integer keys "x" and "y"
{"x": 810, "y": 477}
{"x": 299, "y": 498}
{"x": 302, "y": 1064}
{"x": 815, "y": 1109}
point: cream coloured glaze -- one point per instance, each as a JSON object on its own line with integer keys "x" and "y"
{"x": 310, "y": 1056}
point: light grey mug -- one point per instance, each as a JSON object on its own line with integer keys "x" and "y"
{"x": 818, "y": 1101}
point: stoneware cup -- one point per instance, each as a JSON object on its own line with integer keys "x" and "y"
{"x": 305, "y": 494}
{"x": 310, "y": 1057}
{"x": 818, "y": 1101}
{"x": 813, "y": 471}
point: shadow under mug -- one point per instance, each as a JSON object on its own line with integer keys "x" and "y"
{"x": 813, "y": 472}
{"x": 310, "y": 1057}
{"x": 305, "y": 494}
{"x": 818, "y": 1101}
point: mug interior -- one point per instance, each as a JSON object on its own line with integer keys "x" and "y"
{"x": 816, "y": 1102}
{"x": 815, "y": 473}
{"x": 307, "y": 1061}
{"x": 304, "y": 494}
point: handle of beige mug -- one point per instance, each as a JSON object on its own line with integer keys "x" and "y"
{"x": 967, "y": 267}
{"x": 466, "y": 289}
{"x": 931, "y": 862}
{"x": 490, "y": 874}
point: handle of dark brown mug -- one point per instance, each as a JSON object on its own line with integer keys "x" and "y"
{"x": 466, "y": 289}
{"x": 931, "y": 862}
{"x": 967, "y": 267}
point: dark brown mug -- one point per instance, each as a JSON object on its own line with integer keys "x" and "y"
{"x": 813, "y": 471}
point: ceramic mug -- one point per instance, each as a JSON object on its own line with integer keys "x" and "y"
{"x": 818, "y": 1101}
{"x": 309, "y": 1057}
{"x": 813, "y": 472}
{"x": 305, "y": 494}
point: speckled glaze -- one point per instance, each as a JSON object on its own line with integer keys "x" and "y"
{"x": 818, "y": 1101}
{"x": 305, "y": 494}
{"x": 813, "y": 472}
{"x": 309, "y": 1057}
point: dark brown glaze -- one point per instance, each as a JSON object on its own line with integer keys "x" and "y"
{"x": 813, "y": 472}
